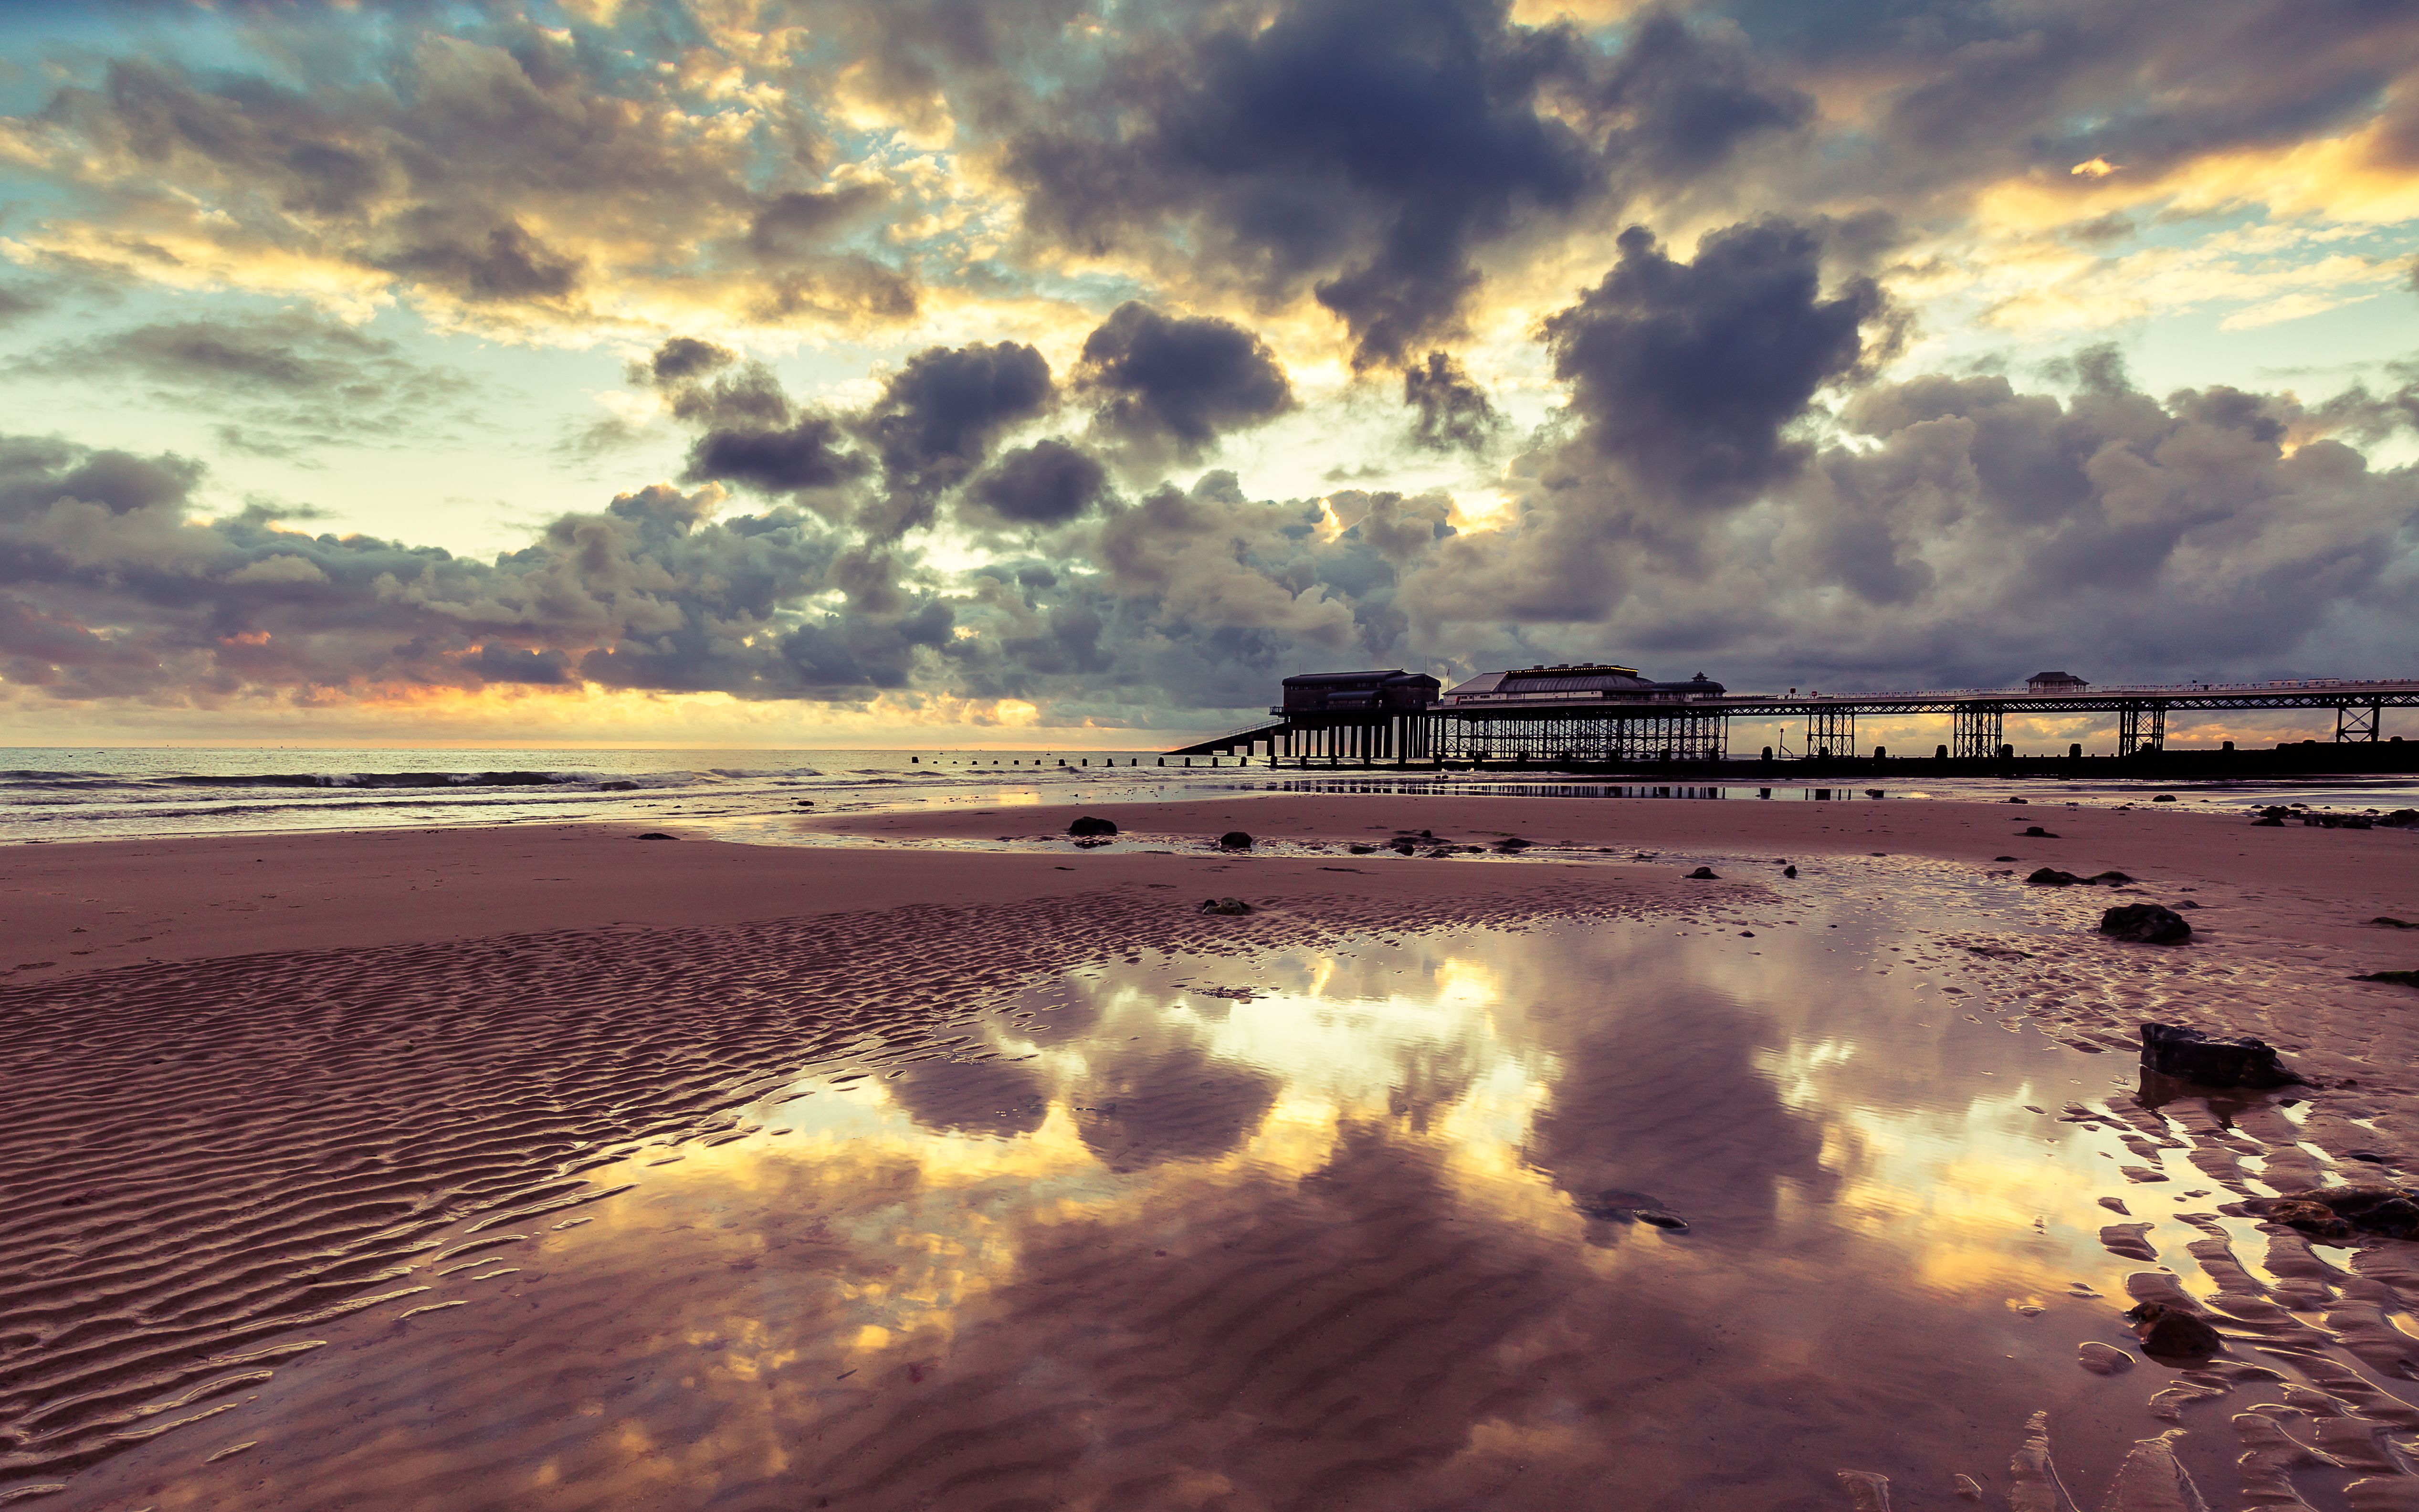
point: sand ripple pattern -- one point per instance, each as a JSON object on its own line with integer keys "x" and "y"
{"x": 203, "y": 1161}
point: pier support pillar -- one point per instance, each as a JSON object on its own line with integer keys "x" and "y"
{"x": 2352, "y": 722}
{"x": 2141, "y": 727}
{"x": 1976, "y": 730}
{"x": 1831, "y": 732}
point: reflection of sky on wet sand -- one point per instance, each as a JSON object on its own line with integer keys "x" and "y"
{"x": 1306, "y": 1231}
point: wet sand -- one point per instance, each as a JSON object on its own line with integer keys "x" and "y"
{"x": 744, "y": 1175}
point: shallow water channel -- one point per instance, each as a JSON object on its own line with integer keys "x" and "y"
{"x": 1333, "y": 1228}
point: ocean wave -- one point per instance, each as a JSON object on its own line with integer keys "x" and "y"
{"x": 382, "y": 780}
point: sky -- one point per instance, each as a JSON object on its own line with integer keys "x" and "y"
{"x": 1067, "y": 373}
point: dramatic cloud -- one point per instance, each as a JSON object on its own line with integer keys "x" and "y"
{"x": 1180, "y": 380}
{"x": 1453, "y": 410}
{"x": 1372, "y": 147}
{"x": 1689, "y": 373}
{"x": 1048, "y": 483}
{"x": 794, "y": 459}
{"x": 939, "y": 416}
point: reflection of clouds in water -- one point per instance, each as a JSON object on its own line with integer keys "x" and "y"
{"x": 973, "y": 1097}
{"x": 1346, "y": 1272}
{"x": 1148, "y": 1104}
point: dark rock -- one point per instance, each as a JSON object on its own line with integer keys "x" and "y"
{"x": 2275, "y": 810}
{"x": 2402, "y": 819}
{"x": 1088, "y": 826}
{"x": 2037, "y": 832}
{"x": 2146, "y": 924}
{"x": 1512, "y": 843}
{"x": 2164, "y": 797}
{"x": 2018, "y": 800}
{"x": 1632, "y": 1206}
{"x": 1234, "y": 840}
{"x": 2191, "y": 1055}
{"x": 2171, "y": 1336}
{"x": 1224, "y": 905}
{"x": 1361, "y": 850}
{"x": 2339, "y": 1213}
{"x": 2315, "y": 1219}
{"x": 2400, "y": 979}
{"x": 657, "y": 834}
{"x": 2050, "y": 877}
{"x": 2111, "y": 879}
{"x": 2268, "y": 824}
{"x": 2391, "y": 922}
{"x": 2002, "y": 857}
{"x": 1704, "y": 873}
{"x": 1788, "y": 870}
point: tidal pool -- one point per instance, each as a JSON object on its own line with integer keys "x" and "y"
{"x": 1346, "y": 1228}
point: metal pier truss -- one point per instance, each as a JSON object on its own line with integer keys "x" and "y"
{"x": 1556, "y": 736}
{"x": 1831, "y": 731}
{"x": 1975, "y": 730}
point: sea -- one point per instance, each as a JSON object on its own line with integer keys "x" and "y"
{"x": 50, "y": 795}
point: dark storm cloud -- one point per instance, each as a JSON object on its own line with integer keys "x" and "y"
{"x": 753, "y": 436}
{"x": 939, "y": 417}
{"x": 1453, "y": 411}
{"x": 1368, "y": 149}
{"x": 1690, "y": 372}
{"x": 683, "y": 358}
{"x": 1048, "y": 483}
{"x": 806, "y": 456}
{"x": 1181, "y": 380}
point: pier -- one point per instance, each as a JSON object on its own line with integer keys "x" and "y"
{"x": 1602, "y": 717}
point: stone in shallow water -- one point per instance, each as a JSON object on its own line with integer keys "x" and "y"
{"x": 2170, "y": 1334}
{"x": 2147, "y": 923}
{"x": 1235, "y": 840}
{"x": 2127, "y": 1240}
{"x": 1224, "y": 905}
{"x": 1617, "y": 1206}
{"x": 2191, "y": 1055}
{"x": 2338, "y": 1212}
{"x": 1090, "y": 826}
{"x": 2102, "y": 1359}
{"x": 1704, "y": 873}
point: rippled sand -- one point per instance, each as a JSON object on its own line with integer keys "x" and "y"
{"x": 1090, "y": 1201}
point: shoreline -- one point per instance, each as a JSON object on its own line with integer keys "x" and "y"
{"x": 96, "y": 904}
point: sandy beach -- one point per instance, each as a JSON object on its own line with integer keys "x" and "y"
{"x": 933, "y": 1160}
